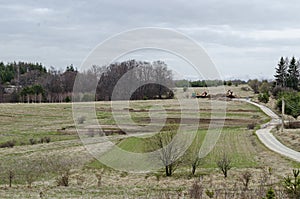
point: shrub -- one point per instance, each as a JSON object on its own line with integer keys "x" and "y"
{"x": 251, "y": 126}
{"x": 32, "y": 141}
{"x": 209, "y": 193}
{"x": 45, "y": 140}
{"x": 292, "y": 185}
{"x": 63, "y": 180}
{"x": 263, "y": 97}
{"x": 270, "y": 194}
{"x": 185, "y": 89}
{"x": 277, "y": 91}
{"x": 62, "y": 165}
{"x": 264, "y": 87}
{"x": 8, "y": 144}
{"x": 123, "y": 174}
{"x": 254, "y": 84}
{"x": 292, "y": 103}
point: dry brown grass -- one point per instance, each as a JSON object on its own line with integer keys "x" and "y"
{"x": 289, "y": 137}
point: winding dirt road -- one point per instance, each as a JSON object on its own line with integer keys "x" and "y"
{"x": 267, "y": 138}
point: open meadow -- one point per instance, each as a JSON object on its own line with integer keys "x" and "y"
{"x": 47, "y": 151}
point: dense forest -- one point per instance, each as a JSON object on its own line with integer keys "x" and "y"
{"x": 32, "y": 82}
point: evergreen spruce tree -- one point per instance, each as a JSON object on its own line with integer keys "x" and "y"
{"x": 281, "y": 73}
{"x": 293, "y": 74}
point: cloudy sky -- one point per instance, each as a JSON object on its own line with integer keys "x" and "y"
{"x": 245, "y": 39}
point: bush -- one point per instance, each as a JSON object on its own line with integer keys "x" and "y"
{"x": 62, "y": 165}
{"x": 63, "y": 180}
{"x": 270, "y": 194}
{"x": 185, "y": 89}
{"x": 45, "y": 140}
{"x": 265, "y": 87}
{"x": 251, "y": 126}
{"x": 263, "y": 97}
{"x": 8, "y": 144}
{"x": 292, "y": 184}
{"x": 292, "y": 103}
{"x": 254, "y": 84}
{"x": 209, "y": 193}
{"x": 32, "y": 141}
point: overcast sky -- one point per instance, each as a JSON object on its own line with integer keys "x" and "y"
{"x": 245, "y": 39}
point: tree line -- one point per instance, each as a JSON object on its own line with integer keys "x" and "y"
{"x": 33, "y": 82}
{"x": 208, "y": 83}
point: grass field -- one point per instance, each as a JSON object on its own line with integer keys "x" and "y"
{"x": 22, "y": 122}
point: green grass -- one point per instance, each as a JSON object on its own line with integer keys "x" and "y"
{"x": 236, "y": 142}
{"x": 133, "y": 144}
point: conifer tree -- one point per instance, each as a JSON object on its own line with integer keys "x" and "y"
{"x": 293, "y": 74}
{"x": 281, "y": 73}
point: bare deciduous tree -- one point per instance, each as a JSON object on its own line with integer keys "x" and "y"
{"x": 170, "y": 152}
{"x": 245, "y": 178}
{"x": 8, "y": 171}
{"x": 32, "y": 167}
{"x": 192, "y": 155}
{"x": 63, "y": 166}
{"x": 224, "y": 164}
{"x": 154, "y": 79}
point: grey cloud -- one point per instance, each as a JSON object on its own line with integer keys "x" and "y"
{"x": 63, "y": 32}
